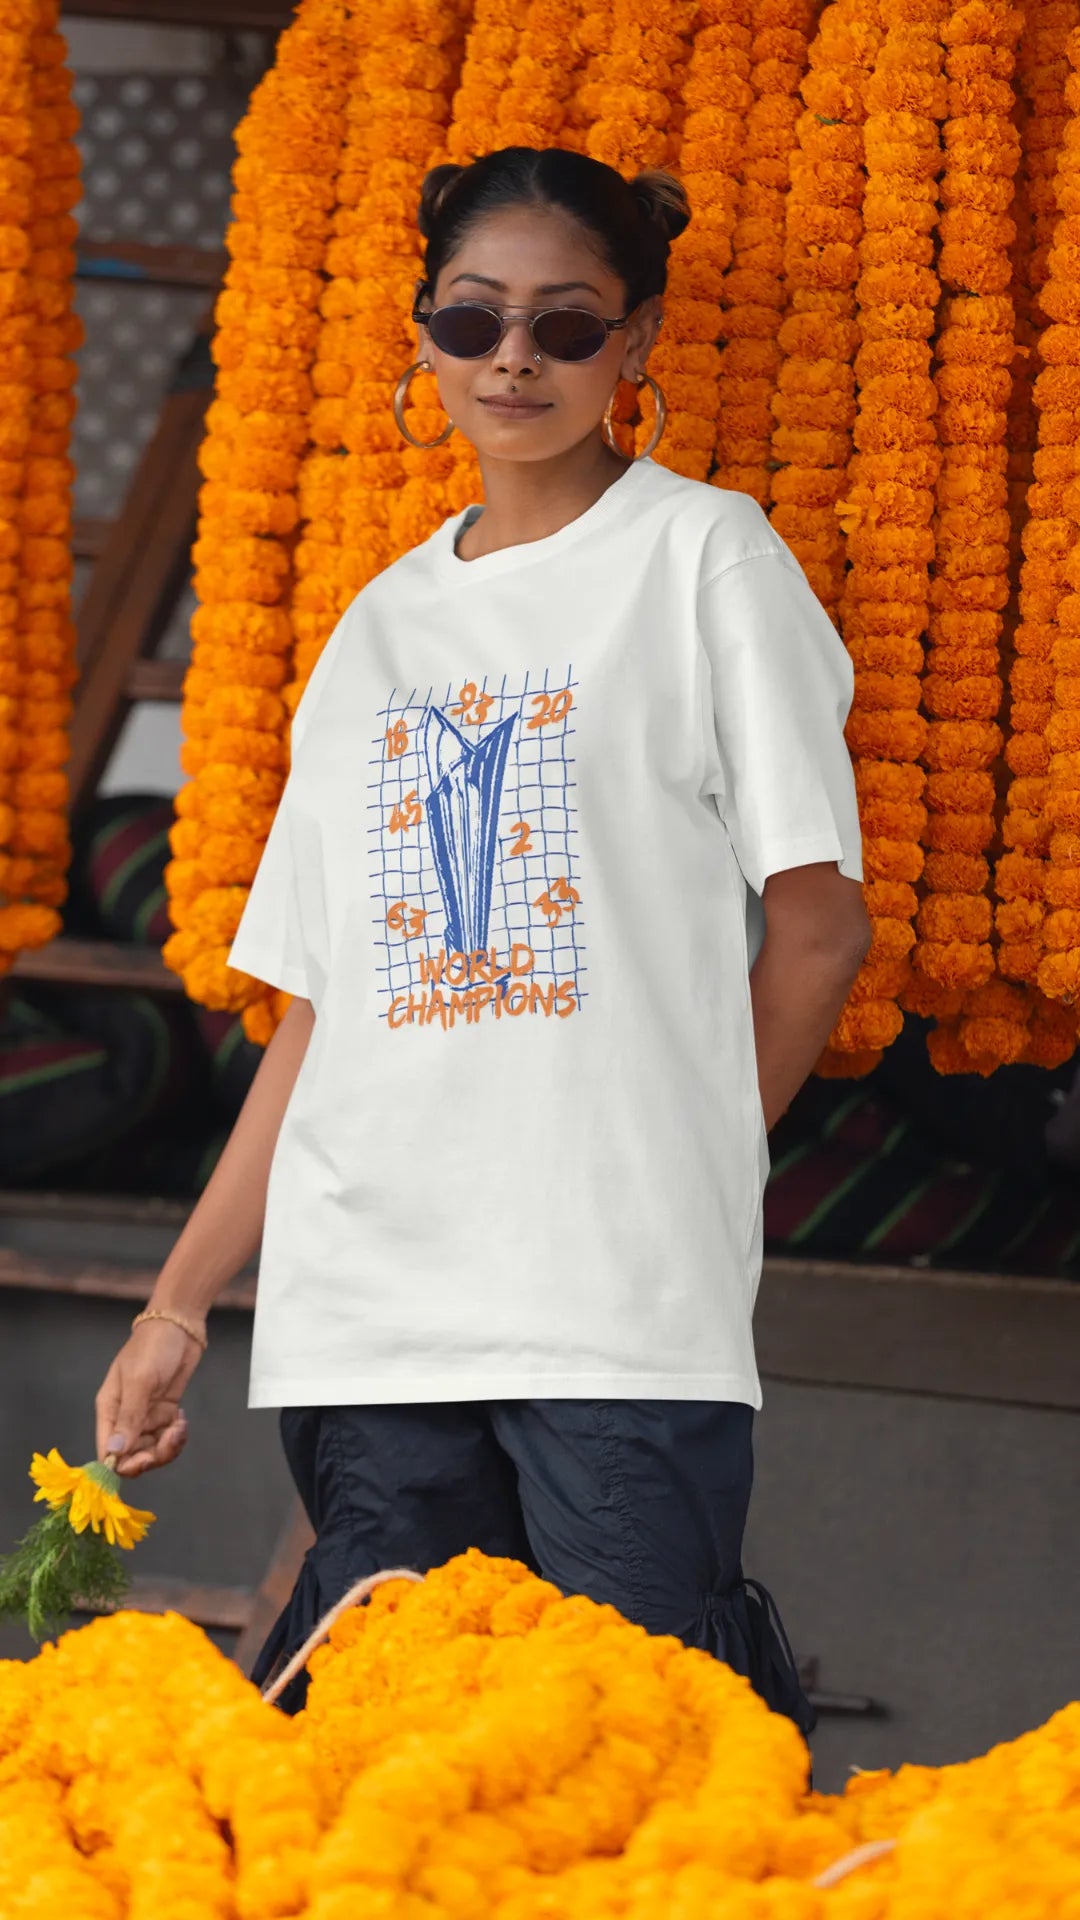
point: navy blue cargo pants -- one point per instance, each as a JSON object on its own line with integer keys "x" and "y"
{"x": 641, "y": 1503}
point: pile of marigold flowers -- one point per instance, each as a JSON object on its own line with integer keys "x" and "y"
{"x": 476, "y": 1745}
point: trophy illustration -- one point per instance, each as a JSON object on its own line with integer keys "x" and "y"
{"x": 463, "y": 821}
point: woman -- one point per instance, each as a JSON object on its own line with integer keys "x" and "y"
{"x": 565, "y": 885}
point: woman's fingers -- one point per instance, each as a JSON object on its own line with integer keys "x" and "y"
{"x": 156, "y": 1449}
{"x": 110, "y": 1436}
{"x": 128, "y": 1417}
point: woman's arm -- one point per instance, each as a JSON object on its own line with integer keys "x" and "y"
{"x": 225, "y": 1227}
{"x": 817, "y": 935}
{"x": 139, "y": 1401}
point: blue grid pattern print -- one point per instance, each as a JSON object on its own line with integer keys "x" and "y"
{"x": 473, "y": 845}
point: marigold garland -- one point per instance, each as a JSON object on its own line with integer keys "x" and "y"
{"x": 888, "y": 511}
{"x": 1057, "y": 395}
{"x": 592, "y": 42}
{"x": 234, "y": 718}
{"x": 409, "y": 62}
{"x": 1018, "y": 876}
{"x": 39, "y": 333}
{"x": 476, "y": 1747}
{"x": 1048, "y": 538}
{"x": 340, "y": 535}
{"x": 423, "y": 499}
{"x": 630, "y": 103}
{"x": 531, "y": 112}
{"x": 755, "y": 289}
{"x": 961, "y": 683}
{"x": 819, "y": 335}
{"x": 686, "y": 359}
{"x": 1043, "y": 72}
{"x": 395, "y": 113}
{"x": 1041, "y": 117}
{"x": 645, "y": 73}
{"x": 16, "y": 400}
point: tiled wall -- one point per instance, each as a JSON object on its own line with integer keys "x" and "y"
{"x": 157, "y": 152}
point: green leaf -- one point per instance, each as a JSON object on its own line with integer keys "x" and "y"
{"x": 54, "y": 1572}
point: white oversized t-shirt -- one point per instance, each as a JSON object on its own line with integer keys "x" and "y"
{"x": 524, "y": 1156}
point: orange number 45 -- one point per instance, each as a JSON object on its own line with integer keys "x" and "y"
{"x": 407, "y": 813}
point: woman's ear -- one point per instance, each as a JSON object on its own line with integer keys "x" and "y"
{"x": 640, "y": 337}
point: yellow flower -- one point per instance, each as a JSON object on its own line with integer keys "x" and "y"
{"x": 91, "y": 1495}
{"x": 54, "y": 1479}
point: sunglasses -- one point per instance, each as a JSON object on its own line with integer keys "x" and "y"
{"x": 467, "y": 331}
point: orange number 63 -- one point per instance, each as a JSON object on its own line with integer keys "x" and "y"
{"x": 551, "y": 708}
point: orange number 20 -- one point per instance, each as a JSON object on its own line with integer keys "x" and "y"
{"x": 550, "y": 708}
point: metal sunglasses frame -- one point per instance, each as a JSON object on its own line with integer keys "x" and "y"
{"x": 505, "y": 315}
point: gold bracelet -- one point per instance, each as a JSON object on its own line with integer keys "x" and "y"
{"x": 193, "y": 1332}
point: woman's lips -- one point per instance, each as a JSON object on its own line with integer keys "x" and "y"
{"x": 510, "y": 408}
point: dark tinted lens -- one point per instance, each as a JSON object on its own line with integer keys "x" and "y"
{"x": 569, "y": 333}
{"x": 466, "y": 333}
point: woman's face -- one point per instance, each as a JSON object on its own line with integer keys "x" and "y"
{"x": 511, "y": 405}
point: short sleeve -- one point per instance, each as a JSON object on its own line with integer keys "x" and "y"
{"x": 782, "y": 685}
{"x": 269, "y": 941}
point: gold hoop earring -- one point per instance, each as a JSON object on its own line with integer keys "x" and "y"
{"x": 659, "y": 424}
{"x": 400, "y": 391}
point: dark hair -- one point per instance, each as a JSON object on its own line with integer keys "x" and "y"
{"x": 633, "y": 222}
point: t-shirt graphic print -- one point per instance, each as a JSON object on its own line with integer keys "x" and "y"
{"x": 475, "y": 886}
{"x": 533, "y": 804}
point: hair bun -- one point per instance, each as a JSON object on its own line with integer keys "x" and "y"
{"x": 663, "y": 200}
{"x": 436, "y": 186}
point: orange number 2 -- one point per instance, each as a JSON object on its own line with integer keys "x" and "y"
{"x": 523, "y": 843}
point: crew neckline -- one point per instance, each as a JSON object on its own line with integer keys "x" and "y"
{"x": 527, "y": 553}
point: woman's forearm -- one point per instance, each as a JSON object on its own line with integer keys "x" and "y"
{"x": 796, "y": 1001}
{"x": 224, "y": 1230}
{"x": 816, "y": 939}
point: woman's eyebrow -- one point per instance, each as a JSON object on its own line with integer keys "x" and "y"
{"x": 499, "y": 286}
{"x": 571, "y": 286}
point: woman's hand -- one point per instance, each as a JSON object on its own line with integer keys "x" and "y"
{"x": 139, "y": 1416}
